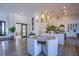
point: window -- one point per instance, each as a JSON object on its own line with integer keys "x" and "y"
{"x": 73, "y": 27}
{"x": 2, "y": 28}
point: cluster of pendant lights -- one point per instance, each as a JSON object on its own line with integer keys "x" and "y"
{"x": 45, "y": 16}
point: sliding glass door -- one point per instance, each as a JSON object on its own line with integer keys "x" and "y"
{"x": 24, "y": 30}
{"x": 18, "y": 29}
{"x": 21, "y": 30}
{"x": 2, "y": 28}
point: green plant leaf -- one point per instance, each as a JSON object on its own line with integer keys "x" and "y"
{"x": 12, "y": 29}
{"x": 52, "y": 28}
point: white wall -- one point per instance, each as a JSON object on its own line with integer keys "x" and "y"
{"x": 18, "y": 18}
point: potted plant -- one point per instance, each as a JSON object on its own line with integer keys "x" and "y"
{"x": 48, "y": 29}
{"x": 12, "y": 30}
{"x": 52, "y": 29}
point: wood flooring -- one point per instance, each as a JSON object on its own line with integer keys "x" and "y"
{"x": 19, "y": 48}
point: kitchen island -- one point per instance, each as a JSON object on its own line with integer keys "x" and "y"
{"x": 45, "y": 44}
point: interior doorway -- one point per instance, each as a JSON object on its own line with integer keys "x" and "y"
{"x": 21, "y": 30}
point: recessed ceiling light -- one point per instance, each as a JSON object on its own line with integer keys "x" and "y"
{"x": 22, "y": 12}
{"x": 64, "y": 7}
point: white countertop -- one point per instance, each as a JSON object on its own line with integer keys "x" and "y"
{"x": 43, "y": 38}
{"x": 3, "y": 36}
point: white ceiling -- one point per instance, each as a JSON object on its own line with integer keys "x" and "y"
{"x": 32, "y": 8}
